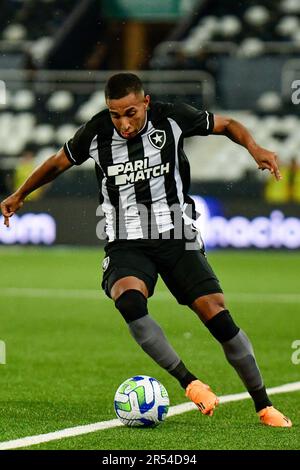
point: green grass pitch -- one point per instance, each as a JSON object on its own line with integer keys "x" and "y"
{"x": 68, "y": 350}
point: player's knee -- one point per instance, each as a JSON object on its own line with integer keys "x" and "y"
{"x": 222, "y": 326}
{"x": 132, "y": 304}
{"x": 217, "y": 302}
{"x": 128, "y": 283}
{"x": 208, "y": 306}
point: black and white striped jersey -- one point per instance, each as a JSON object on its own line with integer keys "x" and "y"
{"x": 141, "y": 179}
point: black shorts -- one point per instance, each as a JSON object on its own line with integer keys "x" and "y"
{"x": 186, "y": 273}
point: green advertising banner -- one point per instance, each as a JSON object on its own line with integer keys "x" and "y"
{"x": 147, "y": 10}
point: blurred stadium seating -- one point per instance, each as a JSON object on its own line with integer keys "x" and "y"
{"x": 32, "y": 20}
{"x": 244, "y": 29}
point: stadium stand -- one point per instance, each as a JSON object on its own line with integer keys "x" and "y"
{"x": 32, "y": 19}
{"x": 251, "y": 29}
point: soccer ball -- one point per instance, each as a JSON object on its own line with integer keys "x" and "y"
{"x": 141, "y": 401}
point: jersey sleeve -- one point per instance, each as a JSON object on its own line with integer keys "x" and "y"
{"x": 77, "y": 148}
{"x": 193, "y": 121}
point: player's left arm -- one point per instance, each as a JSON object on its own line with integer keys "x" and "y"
{"x": 238, "y": 133}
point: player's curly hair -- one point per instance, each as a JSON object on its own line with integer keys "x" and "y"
{"x": 122, "y": 84}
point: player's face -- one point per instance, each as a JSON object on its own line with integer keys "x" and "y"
{"x": 128, "y": 114}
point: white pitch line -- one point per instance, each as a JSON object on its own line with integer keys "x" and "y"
{"x": 114, "y": 423}
{"x": 94, "y": 294}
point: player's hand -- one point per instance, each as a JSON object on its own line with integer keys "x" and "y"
{"x": 267, "y": 160}
{"x": 9, "y": 206}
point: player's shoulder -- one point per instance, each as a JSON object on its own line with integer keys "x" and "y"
{"x": 163, "y": 110}
{"x": 100, "y": 121}
{"x": 100, "y": 124}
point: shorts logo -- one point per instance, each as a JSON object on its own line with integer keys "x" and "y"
{"x": 157, "y": 138}
{"x": 105, "y": 263}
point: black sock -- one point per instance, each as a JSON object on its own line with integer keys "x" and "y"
{"x": 260, "y": 398}
{"x": 182, "y": 374}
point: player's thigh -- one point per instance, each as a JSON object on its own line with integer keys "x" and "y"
{"x": 128, "y": 283}
{"x": 127, "y": 267}
{"x": 192, "y": 277}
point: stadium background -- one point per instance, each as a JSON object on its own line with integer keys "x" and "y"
{"x": 235, "y": 58}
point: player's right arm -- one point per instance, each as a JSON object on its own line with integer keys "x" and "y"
{"x": 46, "y": 172}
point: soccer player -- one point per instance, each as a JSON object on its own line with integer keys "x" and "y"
{"x": 143, "y": 177}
